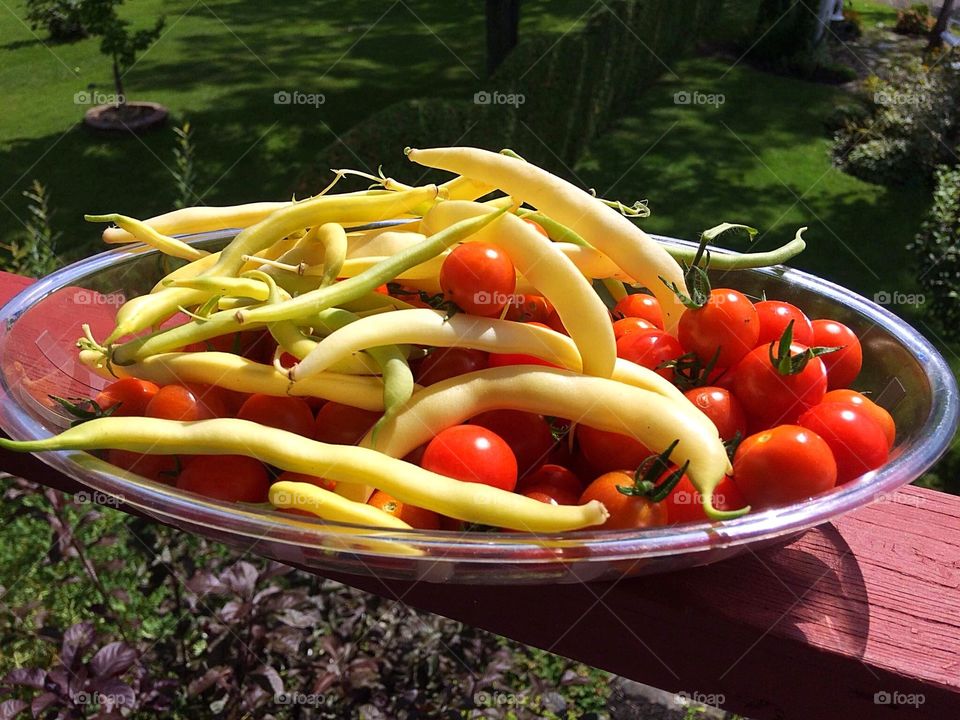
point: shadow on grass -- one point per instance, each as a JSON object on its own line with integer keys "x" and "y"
{"x": 760, "y": 157}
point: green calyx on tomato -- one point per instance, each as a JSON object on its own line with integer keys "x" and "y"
{"x": 690, "y": 372}
{"x": 83, "y": 409}
{"x": 695, "y": 275}
{"x": 646, "y": 478}
{"x": 788, "y": 363}
{"x": 437, "y": 301}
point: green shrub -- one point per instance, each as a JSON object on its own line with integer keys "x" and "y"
{"x": 60, "y": 19}
{"x": 937, "y": 247}
{"x": 914, "y": 21}
{"x": 784, "y": 29}
{"x": 571, "y": 88}
{"x": 910, "y": 129}
{"x": 33, "y": 254}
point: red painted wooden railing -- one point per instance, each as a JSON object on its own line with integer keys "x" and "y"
{"x": 859, "y": 618}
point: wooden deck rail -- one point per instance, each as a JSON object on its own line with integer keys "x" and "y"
{"x": 858, "y": 618}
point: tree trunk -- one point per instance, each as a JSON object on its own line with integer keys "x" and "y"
{"x": 943, "y": 20}
{"x": 118, "y": 83}
{"x": 503, "y": 21}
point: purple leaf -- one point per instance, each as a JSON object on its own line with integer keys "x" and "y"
{"x": 42, "y": 702}
{"x": 76, "y": 639}
{"x": 234, "y": 610}
{"x": 299, "y": 619}
{"x": 241, "y": 578}
{"x": 9, "y": 709}
{"x": 214, "y": 676}
{"x": 114, "y": 694}
{"x": 59, "y": 677}
{"x": 30, "y": 677}
{"x": 203, "y": 583}
{"x": 268, "y": 679}
{"x": 113, "y": 659}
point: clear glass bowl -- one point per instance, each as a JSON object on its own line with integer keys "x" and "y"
{"x": 40, "y": 325}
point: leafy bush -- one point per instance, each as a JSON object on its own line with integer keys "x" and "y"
{"x": 910, "y": 129}
{"x": 937, "y": 247}
{"x": 784, "y": 29}
{"x": 34, "y": 254}
{"x": 61, "y": 19}
{"x": 785, "y": 43}
{"x": 916, "y": 20}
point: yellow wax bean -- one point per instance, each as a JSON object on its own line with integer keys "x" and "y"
{"x": 473, "y": 502}
{"x": 650, "y": 418}
{"x": 640, "y": 257}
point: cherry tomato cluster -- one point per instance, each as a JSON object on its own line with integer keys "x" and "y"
{"x": 774, "y": 383}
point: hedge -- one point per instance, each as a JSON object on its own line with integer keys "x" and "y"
{"x": 571, "y": 89}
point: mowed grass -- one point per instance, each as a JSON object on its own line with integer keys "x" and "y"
{"x": 219, "y": 64}
{"x": 759, "y": 157}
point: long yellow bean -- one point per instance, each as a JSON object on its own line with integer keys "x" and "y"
{"x": 330, "y": 506}
{"x": 652, "y": 419}
{"x": 135, "y": 316}
{"x": 473, "y": 502}
{"x": 233, "y": 372}
{"x": 644, "y": 260}
{"x": 148, "y": 235}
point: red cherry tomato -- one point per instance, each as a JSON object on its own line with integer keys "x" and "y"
{"x": 685, "y": 503}
{"x": 472, "y": 454}
{"x": 159, "y": 468}
{"x": 178, "y": 402}
{"x": 769, "y": 398}
{"x": 552, "y": 475}
{"x": 857, "y": 442}
{"x": 128, "y": 396}
{"x": 775, "y": 315}
{"x": 343, "y": 424}
{"x": 478, "y": 277}
{"x": 253, "y": 344}
{"x": 416, "y": 517}
{"x": 844, "y": 365}
{"x": 879, "y": 415}
{"x": 445, "y": 363}
{"x": 556, "y": 324}
{"x": 783, "y": 465}
{"x": 640, "y": 305}
{"x": 626, "y": 511}
{"x": 527, "y": 434}
{"x": 552, "y": 495}
{"x": 292, "y": 414}
{"x": 290, "y": 476}
{"x": 234, "y": 478}
{"x": 530, "y": 308}
{"x": 505, "y": 359}
{"x": 728, "y": 321}
{"x": 722, "y": 408}
{"x": 627, "y": 325}
{"x": 650, "y": 348}
{"x": 607, "y": 451}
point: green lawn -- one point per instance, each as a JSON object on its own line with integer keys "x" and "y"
{"x": 219, "y": 64}
{"x": 760, "y": 158}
